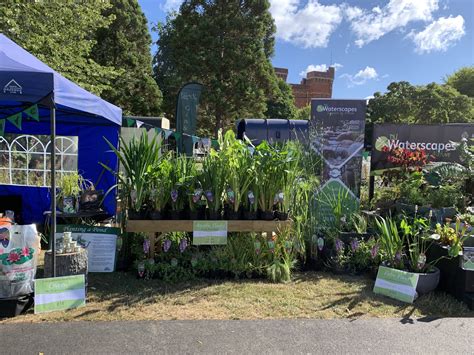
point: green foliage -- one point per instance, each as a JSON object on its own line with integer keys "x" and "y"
{"x": 462, "y": 80}
{"x": 224, "y": 45}
{"x": 62, "y": 34}
{"x": 125, "y": 45}
{"x": 281, "y": 103}
{"x": 303, "y": 113}
{"x": 391, "y": 242}
{"x": 432, "y": 103}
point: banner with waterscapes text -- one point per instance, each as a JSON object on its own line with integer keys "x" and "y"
{"x": 337, "y": 130}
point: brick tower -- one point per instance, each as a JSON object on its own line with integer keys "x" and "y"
{"x": 317, "y": 84}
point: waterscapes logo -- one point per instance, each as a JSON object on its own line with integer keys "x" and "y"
{"x": 330, "y": 109}
{"x": 383, "y": 143}
{"x": 13, "y": 88}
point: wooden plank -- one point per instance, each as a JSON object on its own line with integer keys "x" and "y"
{"x": 166, "y": 226}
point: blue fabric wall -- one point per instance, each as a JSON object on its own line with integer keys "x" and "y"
{"x": 92, "y": 150}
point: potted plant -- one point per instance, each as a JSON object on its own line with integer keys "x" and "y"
{"x": 182, "y": 173}
{"x": 213, "y": 180}
{"x": 239, "y": 172}
{"x": 136, "y": 158}
{"x": 70, "y": 186}
{"x": 160, "y": 187}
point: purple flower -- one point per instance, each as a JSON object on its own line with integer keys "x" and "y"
{"x": 339, "y": 245}
{"x": 174, "y": 195}
{"x": 374, "y": 251}
{"x": 320, "y": 243}
{"x": 251, "y": 197}
{"x": 166, "y": 245}
{"x": 197, "y": 195}
{"x": 231, "y": 196}
{"x": 398, "y": 256}
{"x": 146, "y": 246}
{"x": 354, "y": 245}
{"x": 209, "y": 196}
{"x": 183, "y": 244}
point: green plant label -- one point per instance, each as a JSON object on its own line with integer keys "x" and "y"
{"x": 59, "y": 293}
{"x": 397, "y": 284}
{"x": 209, "y": 232}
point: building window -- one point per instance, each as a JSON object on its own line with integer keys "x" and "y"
{"x": 26, "y": 159}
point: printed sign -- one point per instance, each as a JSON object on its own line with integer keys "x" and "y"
{"x": 468, "y": 258}
{"x": 209, "y": 232}
{"x": 397, "y": 284}
{"x": 337, "y": 130}
{"x": 100, "y": 242}
{"x": 59, "y": 293}
{"x": 435, "y": 140}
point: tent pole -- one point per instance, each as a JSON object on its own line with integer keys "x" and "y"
{"x": 53, "y": 185}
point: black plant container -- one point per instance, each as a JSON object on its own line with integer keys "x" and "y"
{"x": 214, "y": 215}
{"x": 267, "y": 215}
{"x": 232, "y": 215}
{"x": 282, "y": 216}
{"x": 175, "y": 215}
{"x": 347, "y": 237}
{"x": 14, "y": 306}
{"x": 198, "y": 214}
{"x": 156, "y": 215}
{"x": 134, "y": 215}
{"x": 249, "y": 215}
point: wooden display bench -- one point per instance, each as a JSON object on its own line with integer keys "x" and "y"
{"x": 153, "y": 227}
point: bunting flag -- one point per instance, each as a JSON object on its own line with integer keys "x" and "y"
{"x": 32, "y": 112}
{"x": 168, "y": 133}
{"x": 158, "y": 130}
{"x": 2, "y": 127}
{"x": 129, "y": 122}
{"x": 177, "y": 135}
{"x": 15, "y": 119}
{"x": 195, "y": 139}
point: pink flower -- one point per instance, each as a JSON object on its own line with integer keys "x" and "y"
{"x": 25, "y": 252}
{"x": 12, "y": 257}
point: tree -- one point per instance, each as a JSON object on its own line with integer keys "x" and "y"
{"x": 125, "y": 45}
{"x": 303, "y": 113}
{"x": 281, "y": 103}
{"x": 462, "y": 81}
{"x": 224, "y": 45}
{"x": 432, "y": 103}
{"x": 61, "y": 35}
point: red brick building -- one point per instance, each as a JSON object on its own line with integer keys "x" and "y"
{"x": 317, "y": 84}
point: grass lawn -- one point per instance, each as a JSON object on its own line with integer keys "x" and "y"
{"x": 120, "y": 296}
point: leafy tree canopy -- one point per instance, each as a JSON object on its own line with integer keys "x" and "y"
{"x": 125, "y": 44}
{"x": 432, "y": 103}
{"x": 462, "y": 81}
{"x": 224, "y": 45}
{"x": 62, "y": 35}
{"x": 281, "y": 103}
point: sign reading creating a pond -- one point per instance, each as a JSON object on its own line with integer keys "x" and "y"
{"x": 59, "y": 293}
{"x": 435, "y": 140}
{"x": 100, "y": 242}
{"x": 209, "y": 232}
{"x": 397, "y": 284}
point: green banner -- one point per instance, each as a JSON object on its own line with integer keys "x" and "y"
{"x": 209, "y": 232}
{"x": 2, "y": 127}
{"x": 397, "y": 284}
{"x": 32, "y": 112}
{"x": 15, "y": 120}
{"x": 187, "y": 107}
{"x": 59, "y": 293}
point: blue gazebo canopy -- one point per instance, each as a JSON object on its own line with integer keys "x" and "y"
{"x": 25, "y": 81}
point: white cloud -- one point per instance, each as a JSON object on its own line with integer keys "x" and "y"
{"x": 361, "y": 77}
{"x": 319, "y": 67}
{"x": 370, "y": 25}
{"x": 309, "y": 25}
{"x": 439, "y": 35}
{"x": 171, "y": 5}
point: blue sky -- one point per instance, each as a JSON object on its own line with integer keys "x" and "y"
{"x": 371, "y": 43}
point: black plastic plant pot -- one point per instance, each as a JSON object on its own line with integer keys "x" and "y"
{"x": 250, "y": 215}
{"x": 14, "y": 306}
{"x": 347, "y": 237}
{"x": 135, "y": 215}
{"x": 232, "y": 215}
{"x": 175, "y": 215}
{"x": 267, "y": 215}
{"x": 427, "y": 282}
{"x": 156, "y": 215}
{"x": 282, "y": 216}
{"x": 214, "y": 215}
{"x": 198, "y": 214}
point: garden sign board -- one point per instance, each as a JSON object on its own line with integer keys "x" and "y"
{"x": 435, "y": 140}
{"x": 100, "y": 242}
{"x": 397, "y": 284}
{"x": 336, "y": 132}
{"x": 209, "y": 232}
{"x": 59, "y": 293}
